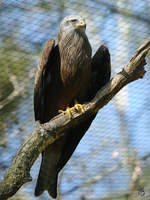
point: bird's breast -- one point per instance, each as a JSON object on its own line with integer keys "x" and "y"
{"x": 75, "y": 69}
{"x": 75, "y": 66}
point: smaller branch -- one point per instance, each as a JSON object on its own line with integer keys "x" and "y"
{"x": 98, "y": 177}
{"x": 18, "y": 89}
{"x": 16, "y": 92}
{"x": 126, "y": 12}
{"x": 9, "y": 99}
{"x": 145, "y": 157}
{"x": 94, "y": 179}
{"x": 45, "y": 134}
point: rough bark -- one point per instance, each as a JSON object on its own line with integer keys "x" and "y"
{"x": 19, "y": 170}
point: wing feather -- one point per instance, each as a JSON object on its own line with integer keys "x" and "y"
{"x": 45, "y": 78}
{"x": 101, "y": 69}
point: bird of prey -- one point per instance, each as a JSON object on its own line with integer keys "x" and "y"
{"x": 66, "y": 73}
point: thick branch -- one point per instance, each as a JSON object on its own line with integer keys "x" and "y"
{"x": 19, "y": 171}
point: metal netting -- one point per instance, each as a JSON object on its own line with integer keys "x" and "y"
{"x": 112, "y": 159}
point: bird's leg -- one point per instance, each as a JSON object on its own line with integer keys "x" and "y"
{"x": 78, "y": 106}
{"x": 67, "y": 111}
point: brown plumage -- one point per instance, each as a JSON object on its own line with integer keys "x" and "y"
{"x": 66, "y": 73}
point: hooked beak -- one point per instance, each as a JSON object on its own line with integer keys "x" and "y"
{"x": 81, "y": 24}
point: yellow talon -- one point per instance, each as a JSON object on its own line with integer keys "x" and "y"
{"x": 67, "y": 111}
{"x": 79, "y": 106}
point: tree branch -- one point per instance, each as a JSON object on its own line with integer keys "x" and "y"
{"x": 125, "y": 12}
{"x": 94, "y": 179}
{"x": 45, "y": 134}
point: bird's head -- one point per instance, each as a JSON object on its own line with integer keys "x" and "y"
{"x": 72, "y": 24}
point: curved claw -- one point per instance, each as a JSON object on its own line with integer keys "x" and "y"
{"x": 78, "y": 106}
{"x": 67, "y": 111}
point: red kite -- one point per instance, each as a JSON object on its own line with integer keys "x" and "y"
{"x": 66, "y": 73}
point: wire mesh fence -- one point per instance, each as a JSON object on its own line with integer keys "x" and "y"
{"x": 112, "y": 160}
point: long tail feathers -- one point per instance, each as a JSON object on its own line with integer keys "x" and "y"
{"x": 48, "y": 175}
{"x": 47, "y": 179}
{"x": 47, "y": 183}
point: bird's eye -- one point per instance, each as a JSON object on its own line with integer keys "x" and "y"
{"x": 73, "y": 20}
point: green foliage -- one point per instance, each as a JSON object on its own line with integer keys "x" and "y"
{"x": 14, "y": 64}
{"x": 44, "y": 5}
{"x": 6, "y": 87}
{"x": 13, "y": 60}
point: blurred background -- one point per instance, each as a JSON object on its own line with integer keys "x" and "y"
{"x": 112, "y": 162}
